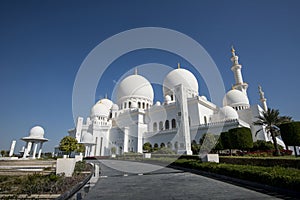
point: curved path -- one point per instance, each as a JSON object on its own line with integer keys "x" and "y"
{"x": 135, "y": 180}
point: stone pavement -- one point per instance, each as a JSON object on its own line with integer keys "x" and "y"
{"x": 164, "y": 183}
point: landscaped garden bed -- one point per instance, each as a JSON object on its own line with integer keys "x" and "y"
{"x": 31, "y": 185}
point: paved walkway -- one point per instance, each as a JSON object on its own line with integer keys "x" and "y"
{"x": 164, "y": 183}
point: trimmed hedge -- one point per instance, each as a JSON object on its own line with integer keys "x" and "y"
{"x": 276, "y": 176}
{"x": 266, "y": 162}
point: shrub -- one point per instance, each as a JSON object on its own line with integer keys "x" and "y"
{"x": 164, "y": 150}
{"x": 79, "y": 167}
{"x": 262, "y": 145}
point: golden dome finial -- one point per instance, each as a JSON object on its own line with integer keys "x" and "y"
{"x": 178, "y": 65}
{"x": 135, "y": 71}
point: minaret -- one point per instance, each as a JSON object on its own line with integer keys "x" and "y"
{"x": 236, "y": 68}
{"x": 263, "y": 100}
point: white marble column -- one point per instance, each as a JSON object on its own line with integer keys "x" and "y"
{"x": 27, "y": 150}
{"x": 125, "y": 130}
{"x": 40, "y": 150}
{"x": 34, "y": 149}
{"x": 12, "y": 148}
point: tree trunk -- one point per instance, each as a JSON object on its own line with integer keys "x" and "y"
{"x": 277, "y": 152}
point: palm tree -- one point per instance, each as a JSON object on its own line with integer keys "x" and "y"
{"x": 271, "y": 119}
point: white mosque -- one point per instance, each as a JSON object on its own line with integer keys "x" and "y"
{"x": 125, "y": 125}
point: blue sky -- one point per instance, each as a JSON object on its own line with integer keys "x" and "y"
{"x": 43, "y": 44}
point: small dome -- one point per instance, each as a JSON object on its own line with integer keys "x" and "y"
{"x": 134, "y": 86}
{"x": 99, "y": 109}
{"x": 36, "y": 132}
{"x": 204, "y": 98}
{"x": 115, "y": 107}
{"x": 180, "y": 76}
{"x": 87, "y": 138}
{"x": 108, "y": 103}
{"x": 167, "y": 98}
{"x": 228, "y": 113}
{"x": 235, "y": 98}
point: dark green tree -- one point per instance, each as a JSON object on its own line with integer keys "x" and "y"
{"x": 219, "y": 145}
{"x": 68, "y": 144}
{"x": 225, "y": 140}
{"x": 207, "y": 142}
{"x": 147, "y": 147}
{"x": 195, "y": 147}
{"x": 113, "y": 150}
{"x": 290, "y": 134}
{"x": 80, "y": 148}
{"x": 3, "y": 152}
{"x": 240, "y": 138}
{"x": 271, "y": 120}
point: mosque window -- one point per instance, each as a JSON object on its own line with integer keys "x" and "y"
{"x": 189, "y": 121}
{"x": 125, "y": 105}
{"x": 129, "y": 104}
{"x": 167, "y": 124}
{"x": 172, "y": 97}
{"x": 205, "y": 120}
{"x": 154, "y": 126}
{"x": 173, "y": 123}
{"x": 161, "y": 125}
{"x": 139, "y": 104}
{"x": 147, "y": 105}
{"x": 143, "y": 105}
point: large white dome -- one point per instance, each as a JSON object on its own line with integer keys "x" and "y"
{"x": 99, "y": 110}
{"x": 36, "y": 132}
{"x": 108, "y": 103}
{"x": 235, "y": 98}
{"x": 228, "y": 113}
{"x": 180, "y": 76}
{"x": 135, "y": 86}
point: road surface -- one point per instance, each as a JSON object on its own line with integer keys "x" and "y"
{"x": 133, "y": 180}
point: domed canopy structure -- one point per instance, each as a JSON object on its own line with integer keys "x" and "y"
{"x": 36, "y": 133}
{"x": 180, "y": 76}
{"x": 99, "y": 110}
{"x": 228, "y": 113}
{"x": 236, "y": 99}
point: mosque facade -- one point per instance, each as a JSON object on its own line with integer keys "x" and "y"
{"x": 125, "y": 125}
